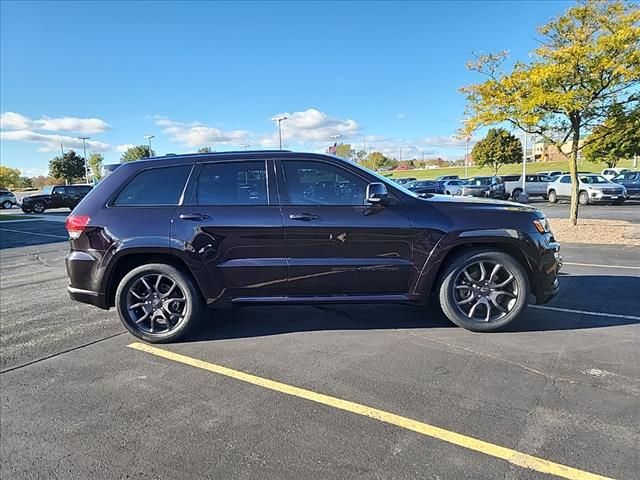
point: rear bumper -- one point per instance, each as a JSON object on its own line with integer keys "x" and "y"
{"x": 87, "y": 296}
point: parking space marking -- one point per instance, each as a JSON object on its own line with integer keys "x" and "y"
{"x": 600, "y": 266}
{"x": 585, "y": 312}
{"x": 33, "y": 233}
{"x": 512, "y": 456}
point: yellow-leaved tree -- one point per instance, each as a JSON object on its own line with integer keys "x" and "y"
{"x": 587, "y": 64}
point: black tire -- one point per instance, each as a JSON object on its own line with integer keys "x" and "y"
{"x": 552, "y": 196}
{"x": 193, "y": 307}
{"x": 26, "y": 210}
{"x": 455, "y": 269}
{"x": 583, "y": 198}
{"x": 447, "y": 192}
{"x": 39, "y": 207}
{"x": 516, "y": 194}
{"x": 7, "y": 204}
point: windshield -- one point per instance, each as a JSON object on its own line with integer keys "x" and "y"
{"x": 593, "y": 179}
{"x": 47, "y": 190}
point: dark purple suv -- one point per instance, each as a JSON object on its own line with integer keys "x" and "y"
{"x": 161, "y": 239}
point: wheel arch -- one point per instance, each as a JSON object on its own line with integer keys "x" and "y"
{"x": 430, "y": 280}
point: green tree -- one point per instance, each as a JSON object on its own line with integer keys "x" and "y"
{"x": 344, "y": 150}
{"x": 377, "y": 161}
{"x": 24, "y": 182}
{"x": 137, "y": 152}
{"x": 498, "y": 148}
{"x": 588, "y": 60}
{"x": 67, "y": 167}
{"x": 204, "y": 150}
{"x": 9, "y": 177}
{"x": 360, "y": 155}
{"x": 618, "y": 137}
{"x": 96, "y": 161}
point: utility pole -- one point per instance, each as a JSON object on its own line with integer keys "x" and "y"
{"x": 245, "y": 146}
{"x": 86, "y": 160}
{"x": 61, "y": 149}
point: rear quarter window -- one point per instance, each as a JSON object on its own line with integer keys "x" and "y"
{"x": 155, "y": 186}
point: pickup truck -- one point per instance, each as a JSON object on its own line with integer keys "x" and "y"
{"x": 535, "y": 185}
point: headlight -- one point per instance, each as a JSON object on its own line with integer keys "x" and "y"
{"x": 542, "y": 225}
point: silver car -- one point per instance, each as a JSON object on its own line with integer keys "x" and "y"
{"x": 452, "y": 187}
{"x": 593, "y": 189}
{"x": 7, "y": 199}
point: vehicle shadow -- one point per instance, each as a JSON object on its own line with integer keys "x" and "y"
{"x": 608, "y": 294}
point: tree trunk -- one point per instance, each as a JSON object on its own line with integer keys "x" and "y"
{"x": 575, "y": 184}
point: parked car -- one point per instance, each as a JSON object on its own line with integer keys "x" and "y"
{"x": 424, "y": 186}
{"x": 55, "y": 196}
{"x": 535, "y": 185}
{"x": 447, "y": 177}
{"x": 162, "y": 239}
{"x": 491, "y": 187}
{"x": 7, "y": 199}
{"x": 609, "y": 173}
{"x": 404, "y": 181}
{"x": 630, "y": 180}
{"x": 593, "y": 189}
{"x": 451, "y": 187}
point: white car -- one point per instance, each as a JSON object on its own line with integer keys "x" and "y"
{"x": 535, "y": 185}
{"x": 609, "y": 173}
{"x": 452, "y": 187}
{"x": 593, "y": 189}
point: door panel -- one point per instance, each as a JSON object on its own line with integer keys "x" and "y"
{"x": 230, "y": 229}
{"x": 334, "y": 243}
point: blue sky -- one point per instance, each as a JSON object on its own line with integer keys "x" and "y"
{"x": 215, "y": 73}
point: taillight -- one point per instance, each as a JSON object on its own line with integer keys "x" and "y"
{"x": 75, "y": 224}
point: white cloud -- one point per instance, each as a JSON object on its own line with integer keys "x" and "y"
{"x": 312, "y": 125}
{"x": 14, "y": 121}
{"x": 51, "y": 142}
{"x": 17, "y": 121}
{"x": 447, "y": 142}
{"x": 196, "y": 134}
{"x": 72, "y": 124}
{"x": 123, "y": 147}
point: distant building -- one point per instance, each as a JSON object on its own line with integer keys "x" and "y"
{"x": 547, "y": 152}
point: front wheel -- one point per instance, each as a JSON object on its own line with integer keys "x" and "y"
{"x": 158, "y": 303}
{"x": 7, "y": 204}
{"x": 483, "y": 290}
{"x": 583, "y": 198}
{"x": 516, "y": 194}
{"x": 38, "y": 207}
{"x": 552, "y": 196}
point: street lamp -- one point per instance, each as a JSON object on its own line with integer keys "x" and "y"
{"x": 86, "y": 161}
{"x": 279, "y": 120}
{"x": 245, "y": 146}
{"x": 149, "y": 137}
{"x": 466, "y": 157}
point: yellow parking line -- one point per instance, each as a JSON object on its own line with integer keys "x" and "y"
{"x": 512, "y": 456}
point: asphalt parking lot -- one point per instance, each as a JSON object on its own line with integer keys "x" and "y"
{"x": 562, "y": 385}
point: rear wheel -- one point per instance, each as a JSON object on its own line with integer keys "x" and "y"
{"x": 38, "y": 207}
{"x": 7, "y": 204}
{"x": 583, "y": 198}
{"x": 158, "y": 303}
{"x": 552, "y": 196}
{"x": 483, "y": 290}
{"x": 516, "y": 194}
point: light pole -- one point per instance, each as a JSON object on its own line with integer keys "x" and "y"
{"x": 279, "y": 120}
{"x": 466, "y": 157}
{"x": 86, "y": 160}
{"x": 245, "y": 146}
{"x": 335, "y": 143}
{"x": 149, "y": 137}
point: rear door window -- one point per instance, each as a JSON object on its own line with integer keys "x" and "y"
{"x": 156, "y": 186}
{"x": 232, "y": 183}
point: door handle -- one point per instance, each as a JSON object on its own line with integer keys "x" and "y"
{"x": 306, "y": 217}
{"x": 193, "y": 216}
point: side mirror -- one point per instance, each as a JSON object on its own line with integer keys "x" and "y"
{"x": 377, "y": 193}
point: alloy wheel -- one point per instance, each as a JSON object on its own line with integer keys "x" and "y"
{"x": 485, "y": 291}
{"x": 38, "y": 207}
{"x": 156, "y": 304}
